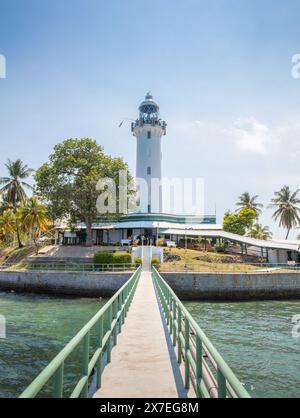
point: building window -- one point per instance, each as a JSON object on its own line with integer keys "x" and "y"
{"x": 149, "y": 170}
{"x": 149, "y": 134}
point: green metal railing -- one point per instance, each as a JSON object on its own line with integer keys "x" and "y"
{"x": 204, "y": 367}
{"x": 113, "y": 314}
{"x": 68, "y": 267}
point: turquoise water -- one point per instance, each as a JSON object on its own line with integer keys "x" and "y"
{"x": 38, "y": 327}
{"x": 255, "y": 338}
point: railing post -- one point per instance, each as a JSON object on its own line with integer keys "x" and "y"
{"x": 115, "y": 331}
{"x": 85, "y": 363}
{"x": 187, "y": 348}
{"x": 174, "y": 323}
{"x": 221, "y": 384}
{"x": 58, "y": 382}
{"x": 171, "y": 313}
{"x": 99, "y": 362}
{"x": 179, "y": 347}
{"x": 109, "y": 339}
{"x": 198, "y": 365}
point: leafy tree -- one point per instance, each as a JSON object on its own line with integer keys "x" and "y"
{"x": 7, "y": 224}
{"x": 260, "y": 232}
{"x": 68, "y": 182}
{"x": 34, "y": 219}
{"x": 239, "y": 223}
{"x": 287, "y": 212}
{"x": 247, "y": 216}
{"x": 12, "y": 190}
{"x": 248, "y": 202}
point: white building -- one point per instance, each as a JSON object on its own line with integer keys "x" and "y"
{"x": 149, "y": 130}
{"x": 150, "y": 222}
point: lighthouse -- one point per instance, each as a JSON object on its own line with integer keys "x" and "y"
{"x": 149, "y": 130}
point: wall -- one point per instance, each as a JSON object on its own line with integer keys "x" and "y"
{"x": 251, "y": 286}
{"x": 192, "y": 286}
{"x": 79, "y": 284}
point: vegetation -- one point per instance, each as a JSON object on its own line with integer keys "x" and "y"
{"x": 248, "y": 202}
{"x": 7, "y": 224}
{"x": 287, "y": 212}
{"x": 12, "y": 190}
{"x": 68, "y": 182}
{"x": 260, "y": 232}
{"x": 155, "y": 261}
{"x": 112, "y": 258}
{"x": 138, "y": 261}
{"x": 239, "y": 223}
{"x": 34, "y": 219}
{"x": 192, "y": 260}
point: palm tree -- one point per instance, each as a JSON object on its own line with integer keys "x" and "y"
{"x": 13, "y": 187}
{"x": 260, "y": 232}
{"x": 248, "y": 202}
{"x": 7, "y": 224}
{"x": 287, "y": 212}
{"x": 34, "y": 219}
{"x": 205, "y": 241}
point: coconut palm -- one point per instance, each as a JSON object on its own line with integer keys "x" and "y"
{"x": 260, "y": 232}
{"x": 34, "y": 219}
{"x": 287, "y": 212}
{"x": 7, "y": 224}
{"x": 248, "y": 202}
{"x": 13, "y": 186}
{"x": 205, "y": 241}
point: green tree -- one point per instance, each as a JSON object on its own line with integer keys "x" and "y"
{"x": 287, "y": 212}
{"x": 68, "y": 182}
{"x": 13, "y": 186}
{"x": 260, "y": 232}
{"x": 239, "y": 223}
{"x": 34, "y": 219}
{"x": 7, "y": 224}
{"x": 247, "y": 202}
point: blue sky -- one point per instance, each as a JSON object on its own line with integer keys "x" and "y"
{"x": 220, "y": 70}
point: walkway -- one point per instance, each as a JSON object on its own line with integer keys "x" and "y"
{"x": 141, "y": 352}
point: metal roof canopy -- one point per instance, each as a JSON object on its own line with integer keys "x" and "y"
{"x": 274, "y": 245}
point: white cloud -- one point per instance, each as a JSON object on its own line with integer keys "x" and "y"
{"x": 251, "y": 135}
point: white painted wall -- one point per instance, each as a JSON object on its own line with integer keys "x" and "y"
{"x": 149, "y": 154}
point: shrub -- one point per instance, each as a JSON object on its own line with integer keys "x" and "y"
{"x": 138, "y": 261}
{"x": 219, "y": 248}
{"x": 155, "y": 260}
{"x": 112, "y": 258}
{"x": 121, "y": 258}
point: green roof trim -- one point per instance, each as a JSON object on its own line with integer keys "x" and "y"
{"x": 164, "y": 217}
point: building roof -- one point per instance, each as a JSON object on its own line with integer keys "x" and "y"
{"x": 271, "y": 244}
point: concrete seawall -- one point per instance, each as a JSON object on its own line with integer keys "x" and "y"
{"x": 64, "y": 283}
{"x": 236, "y": 286}
{"x": 189, "y": 286}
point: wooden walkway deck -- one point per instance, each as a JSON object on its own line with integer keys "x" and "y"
{"x": 141, "y": 363}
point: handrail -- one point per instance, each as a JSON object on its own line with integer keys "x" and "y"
{"x": 113, "y": 313}
{"x": 67, "y": 267}
{"x": 204, "y": 366}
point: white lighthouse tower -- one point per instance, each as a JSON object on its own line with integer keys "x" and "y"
{"x": 148, "y": 130}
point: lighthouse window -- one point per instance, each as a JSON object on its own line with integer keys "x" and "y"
{"x": 148, "y": 170}
{"x": 149, "y": 134}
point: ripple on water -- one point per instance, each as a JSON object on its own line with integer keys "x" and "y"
{"x": 37, "y": 329}
{"x": 255, "y": 338}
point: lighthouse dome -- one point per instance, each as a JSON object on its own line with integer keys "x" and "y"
{"x": 149, "y": 109}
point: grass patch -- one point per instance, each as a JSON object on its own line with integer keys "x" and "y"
{"x": 194, "y": 260}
